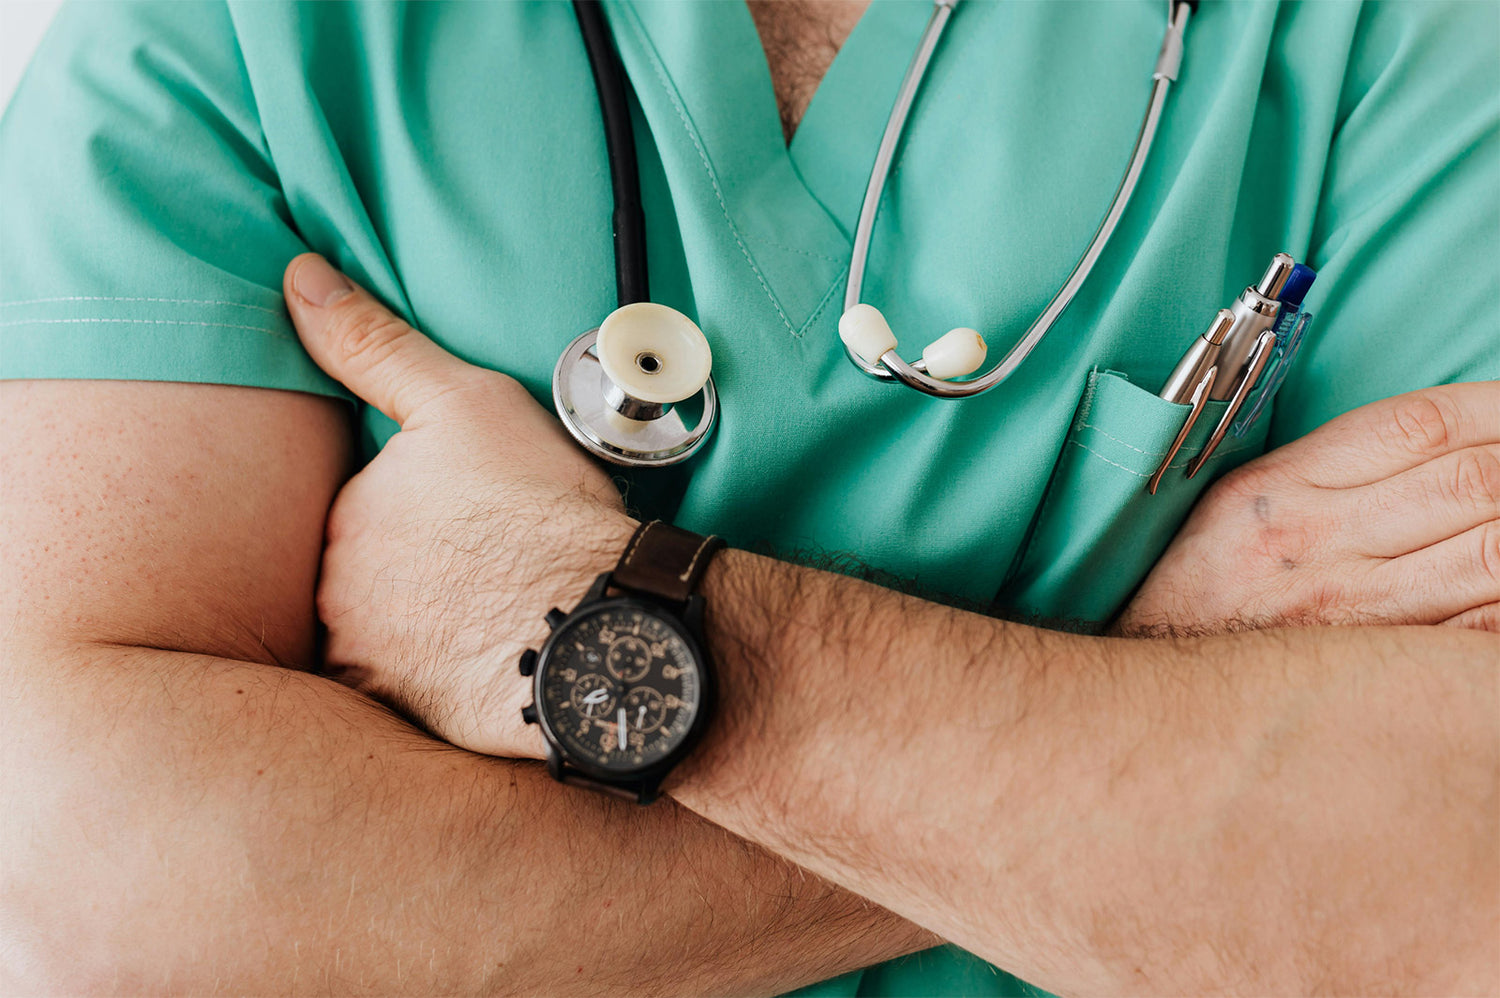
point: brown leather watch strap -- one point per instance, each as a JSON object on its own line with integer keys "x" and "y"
{"x": 664, "y": 561}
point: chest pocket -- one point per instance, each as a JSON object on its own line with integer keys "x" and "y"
{"x": 1098, "y": 532}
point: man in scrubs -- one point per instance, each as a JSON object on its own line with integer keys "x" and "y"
{"x": 163, "y": 164}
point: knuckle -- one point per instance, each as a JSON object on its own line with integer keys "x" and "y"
{"x": 1489, "y": 554}
{"x": 1476, "y": 479}
{"x": 1485, "y": 618}
{"x": 365, "y": 337}
{"x": 1423, "y": 423}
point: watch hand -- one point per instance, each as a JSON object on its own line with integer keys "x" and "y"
{"x": 620, "y": 728}
{"x": 640, "y": 716}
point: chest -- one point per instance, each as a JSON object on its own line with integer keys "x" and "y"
{"x": 801, "y": 39}
{"x": 500, "y": 246}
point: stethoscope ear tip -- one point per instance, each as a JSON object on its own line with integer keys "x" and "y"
{"x": 868, "y": 335}
{"x": 956, "y": 353}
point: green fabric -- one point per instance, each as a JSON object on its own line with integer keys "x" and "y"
{"x": 1098, "y": 532}
{"x": 160, "y": 163}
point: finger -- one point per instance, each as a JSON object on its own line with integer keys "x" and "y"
{"x": 1426, "y": 504}
{"x": 359, "y": 342}
{"x": 1481, "y": 618}
{"x": 1446, "y": 579}
{"x": 1387, "y": 437}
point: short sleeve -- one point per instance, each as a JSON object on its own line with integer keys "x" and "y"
{"x": 1407, "y": 238}
{"x": 144, "y": 233}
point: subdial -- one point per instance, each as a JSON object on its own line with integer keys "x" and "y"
{"x": 629, "y": 658}
{"x": 593, "y": 696}
{"x": 644, "y": 709}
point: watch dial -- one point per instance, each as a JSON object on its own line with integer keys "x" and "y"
{"x": 620, "y": 688}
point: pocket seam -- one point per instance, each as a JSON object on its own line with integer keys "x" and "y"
{"x": 1221, "y": 452}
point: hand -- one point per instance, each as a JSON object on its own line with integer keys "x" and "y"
{"x": 446, "y": 550}
{"x": 1389, "y": 514}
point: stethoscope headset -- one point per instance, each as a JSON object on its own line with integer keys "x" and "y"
{"x": 626, "y": 391}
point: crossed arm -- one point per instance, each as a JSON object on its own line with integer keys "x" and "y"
{"x": 187, "y": 812}
{"x": 336, "y": 848}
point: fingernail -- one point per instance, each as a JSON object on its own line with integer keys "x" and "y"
{"x": 318, "y": 283}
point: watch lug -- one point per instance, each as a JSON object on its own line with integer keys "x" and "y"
{"x": 596, "y": 591}
{"x": 649, "y": 789}
{"x": 555, "y": 763}
{"x": 555, "y": 617}
{"x": 692, "y": 614}
{"x": 528, "y": 713}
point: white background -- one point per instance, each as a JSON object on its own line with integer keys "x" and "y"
{"x": 21, "y": 25}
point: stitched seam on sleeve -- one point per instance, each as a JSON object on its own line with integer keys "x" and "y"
{"x": 167, "y": 301}
{"x": 277, "y": 333}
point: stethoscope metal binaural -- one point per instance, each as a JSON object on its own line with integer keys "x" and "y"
{"x": 621, "y": 389}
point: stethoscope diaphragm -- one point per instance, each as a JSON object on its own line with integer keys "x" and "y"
{"x": 636, "y": 391}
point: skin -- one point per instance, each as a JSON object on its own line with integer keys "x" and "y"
{"x": 189, "y": 813}
{"x": 165, "y": 758}
{"x": 162, "y": 546}
{"x": 1259, "y": 805}
{"x": 184, "y": 768}
{"x": 1348, "y": 526}
{"x": 801, "y": 38}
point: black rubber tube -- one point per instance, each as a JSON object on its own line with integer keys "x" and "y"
{"x": 631, "y": 284}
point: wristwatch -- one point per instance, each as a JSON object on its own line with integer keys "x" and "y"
{"x": 624, "y": 687}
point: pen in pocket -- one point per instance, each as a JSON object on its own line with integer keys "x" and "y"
{"x": 1259, "y": 332}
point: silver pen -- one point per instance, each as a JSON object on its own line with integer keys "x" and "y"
{"x": 1192, "y": 383}
{"x": 1225, "y": 363}
{"x": 1203, "y": 354}
{"x": 1255, "y": 311}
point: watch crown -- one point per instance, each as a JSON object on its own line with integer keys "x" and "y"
{"x": 528, "y": 661}
{"x": 555, "y": 617}
{"x": 528, "y": 713}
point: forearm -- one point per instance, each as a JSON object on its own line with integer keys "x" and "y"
{"x": 183, "y": 823}
{"x": 1267, "y": 811}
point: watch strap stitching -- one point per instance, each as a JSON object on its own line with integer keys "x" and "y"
{"x": 635, "y": 542}
{"x": 687, "y": 573}
{"x": 650, "y": 564}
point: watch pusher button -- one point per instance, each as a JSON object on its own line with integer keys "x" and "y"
{"x": 528, "y": 661}
{"x": 528, "y": 713}
{"x": 555, "y": 617}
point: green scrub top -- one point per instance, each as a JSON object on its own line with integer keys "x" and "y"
{"x": 161, "y": 163}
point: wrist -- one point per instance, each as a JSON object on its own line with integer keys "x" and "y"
{"x": 585, "y": 548}
{"x": 757, "y": 625}
{"x": 567, "y": 554}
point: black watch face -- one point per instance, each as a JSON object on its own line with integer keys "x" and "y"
{"x": 620, "y": 688}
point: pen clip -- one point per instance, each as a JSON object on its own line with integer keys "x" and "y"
{"x": 1253, "y": 368}
{"x": 1198, "y": 401}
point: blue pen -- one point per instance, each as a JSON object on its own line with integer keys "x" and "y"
{"x": 1290, "y": 326}
{"x": 1249, "y": 345}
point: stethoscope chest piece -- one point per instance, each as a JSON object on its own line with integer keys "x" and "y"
{"x": 627, "y": 391}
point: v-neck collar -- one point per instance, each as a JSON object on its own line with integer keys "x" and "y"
{"x": 835, "y": 142}
{"x": 700, "y": 73}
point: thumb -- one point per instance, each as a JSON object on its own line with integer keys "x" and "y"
{"x": 359, "y": 342}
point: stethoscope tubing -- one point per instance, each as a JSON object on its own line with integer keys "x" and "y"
{"x": 629, "y": 220}
{"x": 890, "y": 366}
{"x": 631, "y": 279}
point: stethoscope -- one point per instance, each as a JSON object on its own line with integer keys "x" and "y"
{"x": 638, "y": 390}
